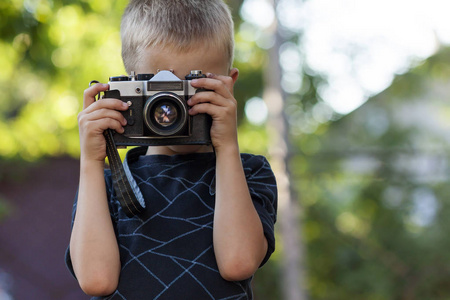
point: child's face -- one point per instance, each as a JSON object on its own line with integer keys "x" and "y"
{"x": 206, "y": 59}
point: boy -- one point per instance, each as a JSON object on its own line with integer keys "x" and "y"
{"x": 209, "y": 216}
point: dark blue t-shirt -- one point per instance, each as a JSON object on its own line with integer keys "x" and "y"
{"x": 167, "y": 251}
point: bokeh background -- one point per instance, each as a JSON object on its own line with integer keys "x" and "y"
{"x": 348, "y": 99}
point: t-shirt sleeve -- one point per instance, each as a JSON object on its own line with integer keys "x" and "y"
{"x": 112, "y": 210}
{"x": 263, "y": 190}
{"x": 67, "y": 255}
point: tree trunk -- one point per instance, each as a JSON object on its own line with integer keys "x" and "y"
{"x": 288, "y": 207}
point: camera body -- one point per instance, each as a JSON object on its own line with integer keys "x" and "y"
{"x": 158, "y": 111}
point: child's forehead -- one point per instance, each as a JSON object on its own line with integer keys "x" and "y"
{"x": 204, "y": 57}
{"x": 193, "y": 50}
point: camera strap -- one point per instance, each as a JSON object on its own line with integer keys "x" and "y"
{"x": 125, "y": 187}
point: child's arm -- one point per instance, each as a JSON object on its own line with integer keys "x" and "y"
{"x": 93, "y": 245}
{"x": 239, "y": 242}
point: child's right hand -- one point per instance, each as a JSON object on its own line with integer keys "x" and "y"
{"x": 95, "y": 118}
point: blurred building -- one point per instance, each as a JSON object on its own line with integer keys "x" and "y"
{"x": 35, "y": 230}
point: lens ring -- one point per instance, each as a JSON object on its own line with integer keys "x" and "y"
{"x": 165, "y": 114}
{"x": 159, "y": 119}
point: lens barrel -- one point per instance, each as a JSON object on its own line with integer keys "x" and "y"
{"x": 165, "y": 114}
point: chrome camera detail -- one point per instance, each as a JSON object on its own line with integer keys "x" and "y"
{"x": 158, "y": 110}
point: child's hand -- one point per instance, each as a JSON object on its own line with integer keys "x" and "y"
{"x": 95, "y": 118}
{"x": 220, "y": 104}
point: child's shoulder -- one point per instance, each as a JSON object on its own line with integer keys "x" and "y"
{"x": 254, "y": 160}
{"x": 256, "y": 166}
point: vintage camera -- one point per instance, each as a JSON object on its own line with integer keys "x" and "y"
{"x": 158, "y": 111}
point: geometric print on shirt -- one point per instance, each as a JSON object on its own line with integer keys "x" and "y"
{"x": 167, "y": 251}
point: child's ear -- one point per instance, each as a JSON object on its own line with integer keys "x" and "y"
{"x": 234, "y": 74}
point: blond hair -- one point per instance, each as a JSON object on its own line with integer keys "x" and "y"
{"x": 180, "y": 25}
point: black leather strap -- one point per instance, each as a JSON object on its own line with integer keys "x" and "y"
{"x": 125, "y": 191}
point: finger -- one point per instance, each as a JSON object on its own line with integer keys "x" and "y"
{"x": 112, "y": 124}
{"x": 106, "y": 113}
{"x": 202, "y": 108}
{"x": 220, "y": 86}
{"x": 108, "y": 103}
{"x": 216, "y": 112}
{"x": 206, "y": 97}
{"x": 91, "y": 92}
{"x": 226, "y": 80}
{"x": 101, "y": 125}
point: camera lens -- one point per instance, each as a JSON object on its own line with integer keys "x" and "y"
{"x": 165, "y": 114}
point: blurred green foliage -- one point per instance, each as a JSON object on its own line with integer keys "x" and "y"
{"x": 50, "y": 51}
{"x": 374, "y": 187}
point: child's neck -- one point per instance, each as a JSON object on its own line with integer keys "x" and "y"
{"x": 180, "y": 149}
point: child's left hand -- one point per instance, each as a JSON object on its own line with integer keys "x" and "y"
{"x": 220, "y": 104}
